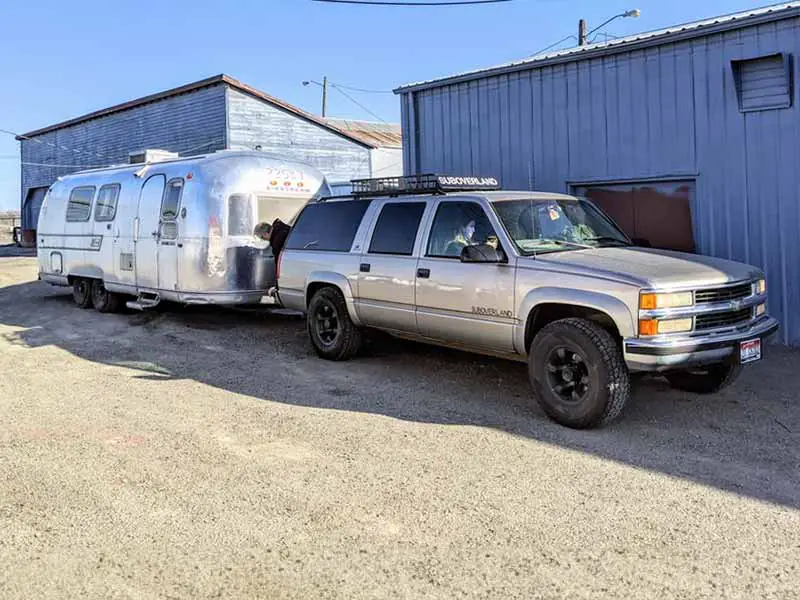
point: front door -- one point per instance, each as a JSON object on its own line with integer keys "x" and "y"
{"x": 386, "y": 290}
{"x": 468, "y": 303}
{"x": 147, "y": 232}
{"x": 168, "y": 236}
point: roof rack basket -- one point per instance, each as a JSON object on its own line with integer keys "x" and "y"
{"x": 427, "y": 183}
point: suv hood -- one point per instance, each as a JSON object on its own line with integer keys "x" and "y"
{"x": 658, "y": 269}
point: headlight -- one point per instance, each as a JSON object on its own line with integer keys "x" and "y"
{"x": 761, "y": 287}
{"x": 672, "y": 300}
{"x": 655, "y": 327}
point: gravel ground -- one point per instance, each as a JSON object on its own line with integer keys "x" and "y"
{"x": 195, "y": 453}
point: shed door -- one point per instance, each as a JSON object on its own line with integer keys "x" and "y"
{"x": 33, "y": 205}
{"x": 659, "y": 212}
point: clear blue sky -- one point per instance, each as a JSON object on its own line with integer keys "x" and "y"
{"x": 62, "y": 59}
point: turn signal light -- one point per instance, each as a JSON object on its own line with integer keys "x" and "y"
{"x": 761, "y": 309}
{"x": 648, "y": 327}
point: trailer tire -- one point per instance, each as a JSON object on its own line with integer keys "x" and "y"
{"x": 103, "y": 300}
{"x": 709, "y": 380}
{"x": 578, "y": 373}
{"x": 333, "y": 334}
{"x": 82, "y": 292}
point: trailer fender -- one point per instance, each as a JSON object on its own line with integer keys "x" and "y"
{"x": 613, "y": 307}
{"x": 317, "y": 279}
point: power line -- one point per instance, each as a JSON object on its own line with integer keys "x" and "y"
{"x": 561, "y": 41}
{"x": 355, "y": 89}
{"x": 389, "y": 3}
{"x": 56, "y": 146}
{"x": 356, "y": 102}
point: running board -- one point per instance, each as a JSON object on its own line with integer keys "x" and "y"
{"x": 144, "y": 301}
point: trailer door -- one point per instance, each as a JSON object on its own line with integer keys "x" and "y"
{"x": 147, "y": 232}
{"x": 168, "y": 242}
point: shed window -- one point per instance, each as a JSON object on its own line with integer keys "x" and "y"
{"x": 79, "y": 206}
{"x": 106, "y": 206}
{"x": 172, "y": 199}
{"x": 763, "y": 83}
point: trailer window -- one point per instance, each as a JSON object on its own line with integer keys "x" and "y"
{"x": 106, "y": 206}
{"x": 240, "y": 215}
{"x": 172, "y": 199}
{"x": 79, "y": 206}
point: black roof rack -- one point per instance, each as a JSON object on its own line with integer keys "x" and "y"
{"x": 427, "y": 183}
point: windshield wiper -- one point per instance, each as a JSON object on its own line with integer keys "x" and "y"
{"x": 607, "y": 238}
{"x": 565, "y": 243}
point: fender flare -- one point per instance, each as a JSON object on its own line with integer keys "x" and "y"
{"x": 613, "y": 307}
{"x": 338, "y": 280}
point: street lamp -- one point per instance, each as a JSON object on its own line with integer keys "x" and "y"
{"x": 582, "y": 34}
{"x": 324, "y": 86}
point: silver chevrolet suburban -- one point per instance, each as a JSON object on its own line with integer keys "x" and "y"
{"x": 548, "y": 279}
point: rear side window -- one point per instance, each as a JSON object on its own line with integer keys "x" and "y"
{"x": 172, "y": 199}
{"x": 327, "y": 226}
{"x": 79, "y": 206}
{"x": 106, "y": 206}
{"x": 396, "y": 229}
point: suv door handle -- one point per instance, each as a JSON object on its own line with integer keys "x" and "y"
{"x": 423, "y": 273}
{"x": 364, "y": 267}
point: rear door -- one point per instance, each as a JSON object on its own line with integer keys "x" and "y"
{"x": 146, "y": 232}
{"x": 387, "y": 270}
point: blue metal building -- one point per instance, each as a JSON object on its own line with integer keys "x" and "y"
{"x": 689, "y": 136}
{"x": 213, "y": 114}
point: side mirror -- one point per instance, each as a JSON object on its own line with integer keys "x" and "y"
{"x": 483, "y": 253}
{"x": 641, "y": 242}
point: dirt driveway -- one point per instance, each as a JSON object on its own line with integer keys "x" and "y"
{"x": 190, "y": 453}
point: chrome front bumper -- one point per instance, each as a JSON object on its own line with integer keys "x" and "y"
{"x": 663, "y": 354}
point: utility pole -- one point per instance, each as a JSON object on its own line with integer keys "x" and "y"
{"x": 324, "y": 96}
{"x": 582, "y": 32}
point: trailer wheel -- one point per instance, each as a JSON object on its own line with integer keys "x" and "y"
{"x": 333, "y": 334}
{"x": 578, "y": 373}
{"x": 103, "y": 300}
{"x": 82, "y": 292}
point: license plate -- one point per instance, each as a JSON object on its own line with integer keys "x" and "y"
{"x": 749, "y": 351}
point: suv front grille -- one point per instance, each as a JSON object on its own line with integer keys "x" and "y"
{"x": 729, "y": 318}
{"x": 725, "y": 294}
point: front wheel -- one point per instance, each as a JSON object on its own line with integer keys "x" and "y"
{"x": 708, "y": 380}
{"x": 578, "y": 373}
{"x": 333, "y": 334}
{"x": 82, "y": 292}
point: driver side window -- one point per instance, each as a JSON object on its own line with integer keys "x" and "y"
{"x": 457, "y": 225}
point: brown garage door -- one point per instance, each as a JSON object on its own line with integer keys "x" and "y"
{"x": 659, "y": 212}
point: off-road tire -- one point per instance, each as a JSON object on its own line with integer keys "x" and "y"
{"x": 103, "y": 300}
{"x": 347, "y": 341}
{"x": 708, "y": 380}
{"x": 82, "y": 292}
{"x": 607, "y": 386}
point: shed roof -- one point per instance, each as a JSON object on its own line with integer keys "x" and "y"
{"x": 378, "y": 135}
{"x": 191, "y": 87}
{"x": 640, "y": 40}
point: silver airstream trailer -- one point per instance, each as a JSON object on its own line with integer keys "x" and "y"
{"x": 179, "y": 229}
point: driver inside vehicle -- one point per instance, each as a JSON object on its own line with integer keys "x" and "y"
{"x": 462, "y": 237}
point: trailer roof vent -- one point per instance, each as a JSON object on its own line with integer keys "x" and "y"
{"x": 150, "y": 156}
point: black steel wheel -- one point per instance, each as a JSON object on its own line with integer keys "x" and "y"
{"x": 82, "y": 292}
{"x": 578, "y": 373}
{"x": 103, "y": 300}
{"x": 333, "y": 334}
{"x": 707, "y": 380}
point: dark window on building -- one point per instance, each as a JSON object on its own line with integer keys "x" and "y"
{"x": 240, "y": 215}
{"x": 106, "y": 206}
{"x": 327, "y": 226}
{"x": 396, "y": 229}
{"x": 657, "y": 211}
{"x": 456, "y": 225}
{"x": 763, "y": 83}
{"x": 172, "y": 199}
{"x": 79, "y": 206}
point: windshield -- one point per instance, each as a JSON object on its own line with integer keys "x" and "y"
{"x": 544, "y": 225}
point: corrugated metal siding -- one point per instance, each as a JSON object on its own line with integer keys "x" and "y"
{"x": 664, "y": 111}
{"x": 254, "y": 122}
{"x": 194, "y": 121}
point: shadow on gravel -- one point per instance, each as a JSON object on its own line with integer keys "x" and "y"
{"x": 745, "y": 440}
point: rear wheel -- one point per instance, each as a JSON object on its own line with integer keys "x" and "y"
{"x": 333, "y": 334}
{"x": 578, "y": 373}
{"x": 103, "y": 300}
{"x": 82, "y": 292}
{"x": 707, "y": 380}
